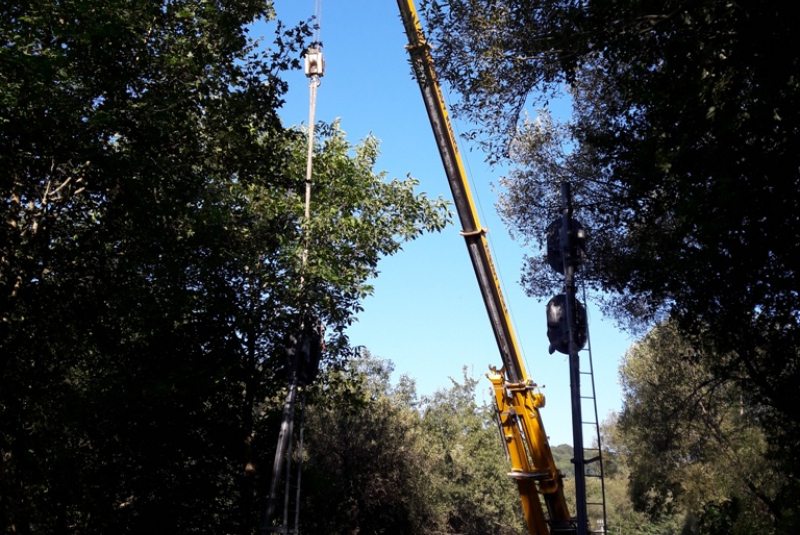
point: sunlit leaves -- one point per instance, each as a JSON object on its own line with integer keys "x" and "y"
{"x": 681, "y": 147}
{"x": 382, "y": 459}
{"x": 151, "y": 259}
{"x": 705, "y": 432}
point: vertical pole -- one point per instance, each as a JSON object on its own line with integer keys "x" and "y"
{"x": 287, "y": 487}
{"x": 284, "y": 439}
{"x": 574, "y": 357}
{"x": 313, "y": 84}
{"x": 314, "y": 69}
{"x": 299, "y": 464}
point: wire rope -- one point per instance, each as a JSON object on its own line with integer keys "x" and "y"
{"x": 317, "y": 37}
{"x": 490, "y": 240}
{"x": 315, "y": 68}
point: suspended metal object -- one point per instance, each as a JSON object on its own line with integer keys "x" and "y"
{"x": 576, "y": 246}
{"x": 565, "y": 256}
{"x": 558, "y": 331}
{"x": 315, "y": 63}
{"x": 304, "y": 349}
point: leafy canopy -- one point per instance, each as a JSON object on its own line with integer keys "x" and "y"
{"x": 681, "y": 149}
{"x": 707, "y": 433}
{"x": 150, "y": 252}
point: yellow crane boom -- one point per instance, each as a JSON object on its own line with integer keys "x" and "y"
{"x": 517, "y": 399}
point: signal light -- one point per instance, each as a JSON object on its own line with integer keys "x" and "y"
{"x": 576, "y": 245}
{"x": 558, "y": 325}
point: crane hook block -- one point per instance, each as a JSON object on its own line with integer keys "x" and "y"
{"x": 315, "y": 63}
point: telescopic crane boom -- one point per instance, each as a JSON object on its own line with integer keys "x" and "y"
{"x": 517, "y": 398}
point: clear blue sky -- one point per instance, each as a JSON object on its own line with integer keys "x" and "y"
{"x": 426, "y": 315}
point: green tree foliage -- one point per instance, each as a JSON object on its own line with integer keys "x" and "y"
{"x": 365, "y": 471}
{"x": 623, "y": 514}
{"x": 150, "y": 259}
{"x": 381, "y": 461}
{"x": 562, "y": 456}
{"x": 694, "y": 443}
{"x": 469, "y": 464}
{"x": 682, "y": 152}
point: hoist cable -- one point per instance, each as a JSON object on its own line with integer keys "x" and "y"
{"x": 315, "y": 68}
{"x": 318, "y": 22}
{"x": 300, "y": 463}
{"x": 476, "y": 192}
{"x": 314, "y": 73}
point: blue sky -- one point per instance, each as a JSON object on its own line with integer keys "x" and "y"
{"x": 426, "y": 315}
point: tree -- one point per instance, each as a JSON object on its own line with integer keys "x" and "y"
{"x": 713, "y": 462}
{"x": 380, "y": 460}
{"x": 681, "y": 150}
{"x": 622, "y": 515}
{"x": 469, "y": 465}
{"x": 365, "y": 471}
{"x": 150, "y": 259}
{"x": 123, "y": 122}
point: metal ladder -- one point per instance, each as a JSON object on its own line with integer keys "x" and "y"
{"x": 593, "y": 457}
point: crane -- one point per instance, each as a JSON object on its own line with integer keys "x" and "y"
{"x": 517, "y": 397}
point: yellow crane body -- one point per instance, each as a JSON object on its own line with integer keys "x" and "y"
{"x": 516, "y": 396}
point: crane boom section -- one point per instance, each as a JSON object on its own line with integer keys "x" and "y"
{"x": 473, "y": 232}
{"x": 516, "y": 398}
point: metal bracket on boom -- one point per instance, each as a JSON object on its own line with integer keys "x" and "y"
{"x": 468, "y": 233}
